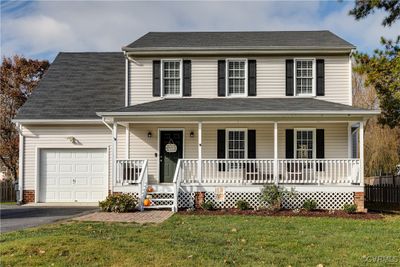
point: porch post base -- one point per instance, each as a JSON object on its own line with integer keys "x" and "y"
{"x": 28, "y": 196}
{"x": 199, "y": 198}
{"x": 359, "y": 201}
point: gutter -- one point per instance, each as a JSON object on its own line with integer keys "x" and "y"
{"x": 57, "y": 121}
{"x": 20, "y": 164}
{"x": 234, "y": 113}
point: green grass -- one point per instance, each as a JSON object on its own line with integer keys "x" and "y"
{"x": 8, "y": 203}
{"x": 206, "y": 240}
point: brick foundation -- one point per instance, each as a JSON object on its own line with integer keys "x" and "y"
{"x": 359, "y": 201}
{"x": 199, "y": 199}
{"x": 28, "y": 196}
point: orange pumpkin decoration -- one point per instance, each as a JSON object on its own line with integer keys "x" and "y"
{"x": 150, "y": 189}
{"x": 147, "y": 202}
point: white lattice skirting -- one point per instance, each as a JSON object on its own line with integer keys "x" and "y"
{"x": 325, "y": 200}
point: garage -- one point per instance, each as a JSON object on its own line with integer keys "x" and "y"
{"x": 73, "y": 175}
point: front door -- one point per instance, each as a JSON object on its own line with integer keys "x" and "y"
{"x": 171, "y": 149}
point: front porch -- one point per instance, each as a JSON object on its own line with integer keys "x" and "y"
{"x": 138, "y": 159}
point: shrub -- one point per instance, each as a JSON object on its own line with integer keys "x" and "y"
{"x": 350, "y": 208}
{"x": 273, "y": 196}
{"x": 310, "y": 205}
{"x": 208, "y": 205}
{"x": 119, "y": 203}
{"x": 242, "y": 205}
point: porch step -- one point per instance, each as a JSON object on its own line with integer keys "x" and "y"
{"x": 161, "y": 198}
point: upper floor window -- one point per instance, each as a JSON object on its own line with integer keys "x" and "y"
{"x": 236, "y": 82}
{"x": 305, "y": 77}
{"x": 172, "y": 78}
{"x": 304, "y": 143}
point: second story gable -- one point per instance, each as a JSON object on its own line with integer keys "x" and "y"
{"x": 233, "y": 64}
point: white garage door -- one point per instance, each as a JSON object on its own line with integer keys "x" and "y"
{"x": 73, "y": 175}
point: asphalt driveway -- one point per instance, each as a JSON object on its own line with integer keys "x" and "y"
{"x": 15, "y": 217}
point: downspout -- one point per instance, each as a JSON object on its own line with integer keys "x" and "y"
{"x": 20, "y": 164}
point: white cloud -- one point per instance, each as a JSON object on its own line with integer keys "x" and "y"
{"x": 50, "y": 27}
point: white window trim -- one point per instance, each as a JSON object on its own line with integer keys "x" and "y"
{"x": 245, "y": 94}
{"x": 180, "y": 78}
{"x": 227, "y": 130}
{"x": 314, "y": 149}
{"x": 314, "y": 78}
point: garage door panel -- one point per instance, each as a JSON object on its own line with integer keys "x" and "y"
{"x": 66, "y": 168}
{"x": 66, "y": 180}
{"x": 82, "y": 168}
{"x": 98, "y": 168}
{"x": 70, "y": 175}
{"x": 97, "y": 180}
{"x": 65, "y": 155}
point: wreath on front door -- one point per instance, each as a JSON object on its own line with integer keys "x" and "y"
{"x": 171, "y": 147}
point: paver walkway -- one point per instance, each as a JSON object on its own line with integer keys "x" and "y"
{"x": 147, "y": 216}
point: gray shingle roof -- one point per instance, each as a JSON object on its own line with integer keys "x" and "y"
{"x": 240, "y": 105}
{"x": 207, "y": 40}
{"x": 76, "y": 86}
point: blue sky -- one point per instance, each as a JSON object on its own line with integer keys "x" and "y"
{"x": 41, "y": 29}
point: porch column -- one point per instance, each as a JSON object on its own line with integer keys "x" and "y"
{"x": 349, "y": 140}
{"x": 276, "y": 176}
{"x": 361, "y": 133}
{"x": 127, "y": 141}
{"x": 199, "y": 133}
{"x": 114, "y": 151}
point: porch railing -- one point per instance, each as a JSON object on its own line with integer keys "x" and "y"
{"x": 263, "y": 171}
{"x": 319, "y": 171}
{"x": 128, "y": 171}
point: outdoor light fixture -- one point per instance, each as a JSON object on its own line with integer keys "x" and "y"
{"x": 72, "y": 139}
{"x": 149, "y": 134}
{"x": 192, "y": 134}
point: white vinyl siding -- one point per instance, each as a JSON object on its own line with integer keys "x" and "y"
{"x": 270, "y": 78}
{"x": 53, "y": 136}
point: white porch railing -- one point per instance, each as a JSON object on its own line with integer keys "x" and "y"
{"x": 129, "y": 171}
{"x": 133, "y": 172}
{"x": 262, "y": 171}
{"x": 319, "y": 171}
{"x": 177, "y": 182}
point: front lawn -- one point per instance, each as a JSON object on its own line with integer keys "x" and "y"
{"x": 186, "y": 240}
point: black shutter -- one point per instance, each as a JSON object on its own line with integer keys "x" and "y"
{"x": 252, "y": 77}
{"x": 320, "y": 144}
{"x": 221, "y": 148}
{"x": 221, "y": 78}
{"x": 289, "y": 143}
{"x": 156, "y": 78}
{"x": 251, "y": 144}
{"x": 320, "y": 77}
{"x": 289, "y": 77}
{"x": 187, "y": 78}
{"x": 320, "y": 148}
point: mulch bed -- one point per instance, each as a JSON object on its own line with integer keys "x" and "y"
{"x": 286, "y": 213}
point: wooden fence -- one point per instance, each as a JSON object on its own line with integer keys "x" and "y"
{"x": 7, "y": 191}
{"x": 382, "y": 194}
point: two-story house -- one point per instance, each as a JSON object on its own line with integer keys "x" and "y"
{"x": 197, "y": 116}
